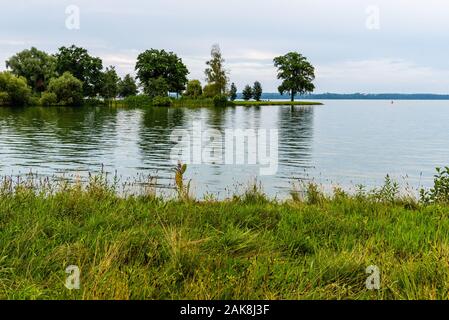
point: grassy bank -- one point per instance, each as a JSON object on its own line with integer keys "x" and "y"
{"x": 210, "y": 103}
{"x": 142, "y": 101}
{"x": 247, "y": 247}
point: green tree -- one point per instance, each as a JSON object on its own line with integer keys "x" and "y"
{"x": 215, "y": 72}
{"x": 48, "y": 99}
{"x": 257, "y": 91}
{"x": 247, "y": 93}
{"x": 109, "y": 87}
{"x": 162, "y": 102}
{"x": 233, "y": 92}
{"x": 220, "y": 100}
{"x": 157, "y": 88}
{"x": 153, "y": 64}
{"x": 210, "y": 90}
{"x": 82, "y": 66}
{"x": 127, "y": 87}
{"x": 14, "y": 91}
{"x": 67, "y": 88}
{"x": 297, "y": 74}
{"x": 194, "y": 89}
{"x": 36, "y": 66}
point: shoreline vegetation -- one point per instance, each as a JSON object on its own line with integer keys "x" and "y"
{"x": 72, "y": 77}
{"x": 313, "y": 246}
{"x": 207, "y": 103}
{"x": 189, "y": 103}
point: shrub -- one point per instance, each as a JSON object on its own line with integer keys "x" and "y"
{"x": 314, "y": 194}
{"x": 14, "y": 91}
{"x": 94, "y": 102}
{"x": 254, "y": 194}
{"x": 138, "y": 101}
{"x": 4, "y": 98}
{"x": 68, "y": 89}
{"x": 48, "y": 99}
{"x": 34, "y": 100}
{"x": 389, "y": 191}
{"x": 193, "y": 103}
{"x": 162, "y": 102}
{"x": 440, "y": 191}
{"x": 194, "y": 89}
{"x": 220, "y": 100}
{"x": 211, "y": 90}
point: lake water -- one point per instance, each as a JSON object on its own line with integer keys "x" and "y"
{"x": 341, "y": 142}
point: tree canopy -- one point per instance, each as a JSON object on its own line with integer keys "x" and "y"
{"x": 67, "y": 89}
{"x": 127, "y": 87}
{"x": 55, "y": 79}
{"x": 194, "y": 89}
{"x": 153, "y": 64}
{"x": 36, "y": 66}
{"x": 210, "y": 90}
{"x": 215, "y": 72}
{"x": 297, "y": 74}
{"x": 233, "y": 92}
{"x": 247, "y": 93}
{"x": 14, "y": 91}
{"x": 109, "y": 83}
{"x": 257, "y": 91}
{"x": 157, "y": 87}
{"x": 82, "y": 66}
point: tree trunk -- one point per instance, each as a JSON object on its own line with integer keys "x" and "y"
{"x": 293, "y": 96}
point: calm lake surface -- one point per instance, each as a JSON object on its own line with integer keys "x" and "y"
{"x": 342, "y": 142}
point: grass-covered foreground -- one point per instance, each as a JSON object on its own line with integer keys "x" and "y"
{"x": 248, "y": 247}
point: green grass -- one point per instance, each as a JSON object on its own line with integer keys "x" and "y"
{"x": 186, "y": 103}
{"x": 247, "y": 247}
{"x": 198, "y": 103}
{"x": 208, "y": 103}
{"x": 193, "y": 103}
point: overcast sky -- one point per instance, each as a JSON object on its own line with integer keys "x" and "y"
{"x": 356, "y": 45}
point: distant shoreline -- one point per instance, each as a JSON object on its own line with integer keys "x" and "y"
{"x": 360, "y": 96}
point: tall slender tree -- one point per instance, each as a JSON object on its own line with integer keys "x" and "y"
{"x": 127, "y": 87}
{"x": 247, "y": 93}
{"x": 215, "y": 72}
{"x": 233, "y": 92}
{"x": 109, "y": 88}
{"x": 257, "y": 91}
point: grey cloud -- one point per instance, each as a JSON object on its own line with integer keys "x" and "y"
{"x": 333, "y": 35}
